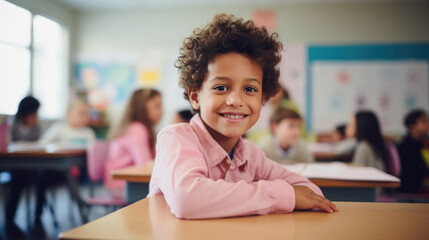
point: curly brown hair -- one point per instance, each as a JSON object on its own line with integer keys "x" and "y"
{"x": 225, "y": 34}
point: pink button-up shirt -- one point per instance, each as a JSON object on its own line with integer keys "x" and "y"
{"x": 199, "y": 180}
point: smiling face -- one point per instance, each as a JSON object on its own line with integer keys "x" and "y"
{"x": 230, "y": 97}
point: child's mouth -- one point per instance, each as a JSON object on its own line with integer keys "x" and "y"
{"x": 233, "y": 116}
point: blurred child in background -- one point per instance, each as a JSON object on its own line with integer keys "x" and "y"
{"x": 261, "y": 129}
{"x": 371, "y": 149}
{"x": 75, "y": 131}
{"x": 414, "y": 151}
{"x": 349, "y": 143}
{"x": 133, "y": 142}
{"x": 183, "y": 116}
{"x": 285, "y": 144}
{"x": 339, "y": 133}
{"x": 25, "y": 127}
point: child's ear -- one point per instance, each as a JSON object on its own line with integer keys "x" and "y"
{"x": 194, "y": 99}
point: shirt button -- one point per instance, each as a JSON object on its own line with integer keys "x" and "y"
{"x": 228, "y": 161}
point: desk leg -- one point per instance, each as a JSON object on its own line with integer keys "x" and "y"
{"x": 74, "y": 192}
{"x": 350, "y": 194}
{"x": 136, "y": 191}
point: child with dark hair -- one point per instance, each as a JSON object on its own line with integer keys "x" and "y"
{"x": 285, "y": 145}
{"x": 25, "y": 128}
{"x": 414, "y": 151}
{"x": 339, "y": 133}
{"x": 370, "y": 150}
{"x": 183, "y": 116}
{"x": 205, "y": 169}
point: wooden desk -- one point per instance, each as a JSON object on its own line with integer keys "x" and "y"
{"x": 150, "y": 218}
{"x": 138, "y": 178}
{"x": 61, "y": 160}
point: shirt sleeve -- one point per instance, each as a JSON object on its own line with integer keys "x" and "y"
{"x": 182, "y": 175}
{"x": 138, "y": 144}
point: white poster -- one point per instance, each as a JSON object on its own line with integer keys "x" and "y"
{"x": 390, "y": 89}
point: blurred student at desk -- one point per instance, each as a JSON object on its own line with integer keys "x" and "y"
{"x": 414, "y": 151}
{"x": 75, "y": 131}
{"x": 25, "y": 128}
{"x": 133, "y": 141}
{"x": 371, "y": 149}
{"x": 285, "y": 145}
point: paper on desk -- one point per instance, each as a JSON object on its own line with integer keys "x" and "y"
{"x": 36, "y": 146}
{"x": 25, "y": 146}
{"x": 315, "y": 147}
{"x": 340, "y": 171}
{"x": 54, "y": 147}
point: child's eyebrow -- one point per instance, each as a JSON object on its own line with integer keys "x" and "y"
{"x": 253, "y": 80}
{"x": 221, "y": 78}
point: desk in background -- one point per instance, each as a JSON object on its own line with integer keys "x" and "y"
{"x": 138, "y": 178}
{"x": 150, "y": 218}
{"x": 137, "y": 181}
{"x": 332, "y": 157}
{"x": 60, "y": 160}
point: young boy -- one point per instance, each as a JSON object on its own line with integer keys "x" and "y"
{"x": 414, "y": 151}
{"x": 204, "y": 169}
{"x": 285, "y": 146}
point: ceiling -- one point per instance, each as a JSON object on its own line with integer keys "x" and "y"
{"x": 94, "y": 5}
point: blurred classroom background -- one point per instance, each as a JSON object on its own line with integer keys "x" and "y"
{"x": 339, "y": 56}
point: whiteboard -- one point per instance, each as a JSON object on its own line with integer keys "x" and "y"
{"x": 389, "y": 88}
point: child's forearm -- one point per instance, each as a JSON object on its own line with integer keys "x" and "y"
{"x": 200, "y": 198}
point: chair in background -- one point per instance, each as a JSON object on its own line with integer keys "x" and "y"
{"x": 394, "y": 169}
{"x": 96, "y": 157}
{"x": 394, "y": 162}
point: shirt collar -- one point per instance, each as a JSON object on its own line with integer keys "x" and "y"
{"x": 213, "y": 152}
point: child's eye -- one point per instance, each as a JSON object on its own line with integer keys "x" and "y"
{"x": 250, "y": 89}
{"x": 220, "y": 88}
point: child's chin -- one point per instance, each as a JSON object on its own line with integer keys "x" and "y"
{"x": 232, "y": 135}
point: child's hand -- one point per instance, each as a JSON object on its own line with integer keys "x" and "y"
{"x": 305, "y": 198}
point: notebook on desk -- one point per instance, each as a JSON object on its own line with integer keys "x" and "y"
{"x": 340, "y": 171}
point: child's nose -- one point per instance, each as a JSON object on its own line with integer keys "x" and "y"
{"x": 234, "y": 99}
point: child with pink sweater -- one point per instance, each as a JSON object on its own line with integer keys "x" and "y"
{"x": 133, "y": 142}
{"x": 205, "y": 169}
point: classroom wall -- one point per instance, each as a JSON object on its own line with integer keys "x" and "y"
{"x": 138, "y": 31}
{"x": 141, "y": 29}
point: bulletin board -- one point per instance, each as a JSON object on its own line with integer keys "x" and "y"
{"x": 387, "y": 79}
